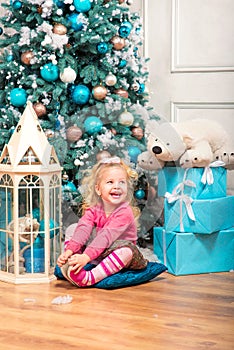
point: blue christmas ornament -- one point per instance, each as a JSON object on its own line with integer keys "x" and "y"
{"x": 9, "y": 58}
{"x": 80, "y": 94}
{"x": 69, "y": 186}
{"x": 57, "y": 124}
{"x": 1, "y": 30}
{"x": 17, "y": 5}
{"x": 102, "y": 47}
{"x": 82, "y": 5}
{"x": 139, "y": 194}
{"x": 138, "y": 30}
{"x": 125, "y": 29}
{"x": 75, "y": 22}
{"x": 59, "y": 3}
{"x": 133, "y": 152}
{"x": 122, "y": 63}
{"x": 141, "y": 88}
{"x": 12, "y": 129}
{"x": 92, "y": 125}
{"x": 18, "y": 97}
{"x": 135, "y": 50}
{"x": 50, "y": 72}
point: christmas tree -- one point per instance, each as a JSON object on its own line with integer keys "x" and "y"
{"x": 79, "y": 63}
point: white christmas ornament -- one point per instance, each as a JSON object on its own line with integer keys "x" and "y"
{"x": 126, "y": 118}
{"x": 68, "y": 75}
{"x": 135, "y": 86}
{"x": 78, "y": 162}
{"x": 111, "y": 79}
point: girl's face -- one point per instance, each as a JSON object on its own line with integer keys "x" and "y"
{"x": 112, "y": 186}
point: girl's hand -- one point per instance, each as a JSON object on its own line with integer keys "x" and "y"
{"x": 62, "y": 259}
{"x": 78, "y": 261}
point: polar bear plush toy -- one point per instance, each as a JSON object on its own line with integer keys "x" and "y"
{"x": 147, "y": 161}
{"x": 194, "y": 143}
{"x": 25, "y": 224}
{"x": 226, "y": 154}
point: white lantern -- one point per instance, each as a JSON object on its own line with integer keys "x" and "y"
{"x": 30, "y": 196}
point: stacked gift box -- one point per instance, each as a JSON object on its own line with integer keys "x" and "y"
{"x": 198, "y": 232}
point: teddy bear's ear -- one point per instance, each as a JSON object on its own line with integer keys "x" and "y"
{"x": 151, "y": 127}
{"x": 188, "y": 140}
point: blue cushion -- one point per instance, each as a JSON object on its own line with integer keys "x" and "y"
{"x": 125, "y": 277}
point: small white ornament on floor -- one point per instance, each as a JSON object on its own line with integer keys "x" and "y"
{"x": 29, "y": 300}
{"x": 65, "y": 299}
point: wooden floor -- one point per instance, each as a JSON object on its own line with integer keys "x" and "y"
{"x": 169, "y": 313}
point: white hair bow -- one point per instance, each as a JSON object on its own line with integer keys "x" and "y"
{"x": 112, "y": 160}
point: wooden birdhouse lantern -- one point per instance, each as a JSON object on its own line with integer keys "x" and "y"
{"x": 30, "y": 204}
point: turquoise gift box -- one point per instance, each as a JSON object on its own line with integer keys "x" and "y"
{"x": 170, "y": 177}
{"x": 210, "y": 215}
{"x": 189, "y": 253}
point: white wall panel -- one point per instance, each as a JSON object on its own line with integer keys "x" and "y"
{"x": 202, "y": 35}
{"x": 221, "y": 112}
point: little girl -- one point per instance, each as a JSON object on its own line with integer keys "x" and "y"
{"x": 107, "y": 208}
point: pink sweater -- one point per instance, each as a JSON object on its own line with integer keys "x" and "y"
{"x": 119, "y": 225}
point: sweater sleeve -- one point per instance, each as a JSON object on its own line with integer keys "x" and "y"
{"x": 120, "y": 225}
{"x": 82, "y": 231}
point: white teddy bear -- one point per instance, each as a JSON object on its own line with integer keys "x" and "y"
{"x": 147, "y": 161}
{"x": 226, "y": 154}
{"x": 28, "y": 229}
{"x": 195, "y": 142}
